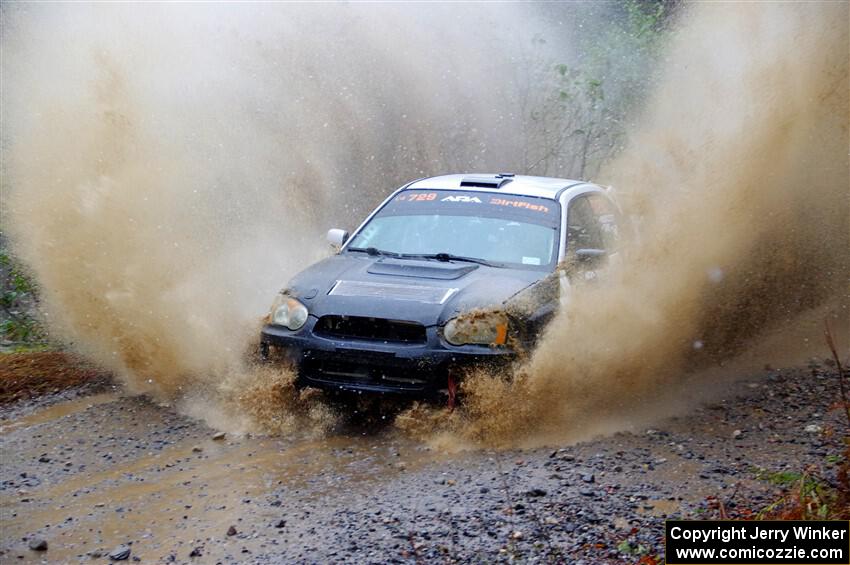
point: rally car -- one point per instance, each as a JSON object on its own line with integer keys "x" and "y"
{"x": 448, "y": 273}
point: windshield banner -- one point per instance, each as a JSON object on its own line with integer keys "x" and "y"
{"x": 486, "y": 204}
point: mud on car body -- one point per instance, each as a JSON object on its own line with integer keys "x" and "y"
{"x": 447, "y": 273}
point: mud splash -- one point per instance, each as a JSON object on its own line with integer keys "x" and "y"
{"x": 739, "y": 173}
{"x": 162, "y": 186}
{"x": 166, "y": 169}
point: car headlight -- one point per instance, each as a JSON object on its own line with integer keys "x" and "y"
{"x": 288, "y": 312}
{"x": 482, "y": 328}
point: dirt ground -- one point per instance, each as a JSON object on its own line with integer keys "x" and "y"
{"x": 89, "y": 470}
{"x": 33, "y": 374}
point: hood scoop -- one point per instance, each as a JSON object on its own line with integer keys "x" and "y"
{"x": 422, "y": 270}
{"x": 428, "y": 294}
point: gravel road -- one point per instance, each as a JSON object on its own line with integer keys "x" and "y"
{"x": 97, "y": 473}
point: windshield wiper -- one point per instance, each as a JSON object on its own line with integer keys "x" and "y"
{"x": 445, "y": 257}
{"x": 449, "y": 257}
{"x": 374, "y": 251}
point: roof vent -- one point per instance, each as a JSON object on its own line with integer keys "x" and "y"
{"x": 487, "y": 181}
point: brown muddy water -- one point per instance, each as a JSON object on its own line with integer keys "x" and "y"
{"x": 128, "y": 471}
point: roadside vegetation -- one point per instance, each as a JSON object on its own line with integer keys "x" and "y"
{"x": 814, "y": 494}
{"x": 20, "y": 327}
{"x": 578, "y": 119}
{"x": 820, "y": 490}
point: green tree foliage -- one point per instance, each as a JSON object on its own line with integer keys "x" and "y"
{"x": 18, "y": 296}
{"x": 581, "y": 118}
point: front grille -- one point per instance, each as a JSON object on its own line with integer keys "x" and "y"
{"x": 372, "y": 329}
{"x": 342, "y": 371}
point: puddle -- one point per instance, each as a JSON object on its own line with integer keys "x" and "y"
{"x": 56, "y": 411}
{"x": 172, "y": 500}
{"x": 659, "y": 508}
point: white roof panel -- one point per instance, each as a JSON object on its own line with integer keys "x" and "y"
{"x": 541, "y": 187}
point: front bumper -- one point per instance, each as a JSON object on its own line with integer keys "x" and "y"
{"x": 376, "y": 366}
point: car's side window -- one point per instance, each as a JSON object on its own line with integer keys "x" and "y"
{"x": 605, "y": 215}
{"x": 583, "y": 229}
{"x": 592, "y": 224}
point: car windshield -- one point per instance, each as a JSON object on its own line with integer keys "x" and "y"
{"x": 501, "y": 229}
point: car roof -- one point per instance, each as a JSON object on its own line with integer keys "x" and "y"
{"x": 541, "y": 187}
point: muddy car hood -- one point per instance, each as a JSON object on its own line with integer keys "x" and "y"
{"x": 428, "y": 292}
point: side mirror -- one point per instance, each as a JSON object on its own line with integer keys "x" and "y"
{"x": 337, "y": 237}
{"x": 590, "y": 255}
